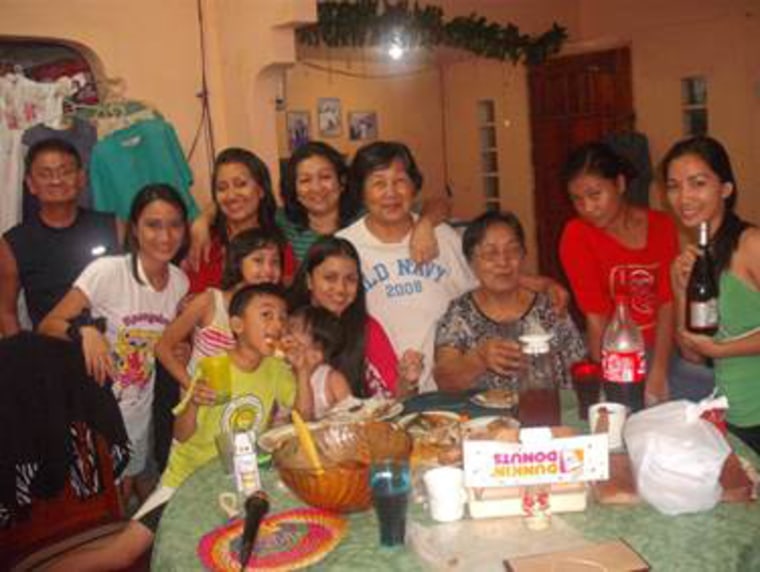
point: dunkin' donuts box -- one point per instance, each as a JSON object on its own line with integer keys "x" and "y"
{"x": 497, "y": 472}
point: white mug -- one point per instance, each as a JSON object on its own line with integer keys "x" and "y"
{"x": 446, "y": 494}
{"x": 617, "y": 414}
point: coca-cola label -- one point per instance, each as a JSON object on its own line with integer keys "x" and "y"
{"x": 624, "y": 367}
{"x": 703, "y": 314}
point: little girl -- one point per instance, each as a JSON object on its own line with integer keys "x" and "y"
{"x": 315, "y": 341}
{"x": 253, "y": 257}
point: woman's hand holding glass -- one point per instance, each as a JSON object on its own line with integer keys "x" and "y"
{"x": 501, "y": 356}
{"x": 97, "y": 354}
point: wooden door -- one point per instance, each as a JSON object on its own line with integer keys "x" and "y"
{"x": 573, "y": 100}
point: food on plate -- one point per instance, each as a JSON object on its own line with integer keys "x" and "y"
{"x": 497, "y": 398}
{"x": 422, "y": 423}
{"x": 492, "y": 429}
{"x": 436, "y": 437}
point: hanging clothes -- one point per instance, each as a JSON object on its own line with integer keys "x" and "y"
{"x": 127, "y": 160}
{"x": 79, "y": 133}
{"x": 23, "y": 103}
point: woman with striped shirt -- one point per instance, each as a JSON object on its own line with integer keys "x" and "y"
{"x": 318, "y": 203}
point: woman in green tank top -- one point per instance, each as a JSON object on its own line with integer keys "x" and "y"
{"x": 701, "y": 187}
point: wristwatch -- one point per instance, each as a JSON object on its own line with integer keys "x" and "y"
{"x": 84, "y": 319}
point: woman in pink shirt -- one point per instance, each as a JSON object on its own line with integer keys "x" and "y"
{"x": 330, "y": 277}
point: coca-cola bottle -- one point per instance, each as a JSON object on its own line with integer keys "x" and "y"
{"x": 623, "y": 358}
{"x": 702, "y": 290}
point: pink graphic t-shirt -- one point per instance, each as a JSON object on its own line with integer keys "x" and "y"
{"x": 136, "y": 316}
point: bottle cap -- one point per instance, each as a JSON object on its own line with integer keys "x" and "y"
{"x": 585, "y": 369}
{"x": 536, "y": 343}
{"x": 535, "y": 338}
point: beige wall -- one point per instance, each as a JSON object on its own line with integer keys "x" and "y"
{"x": 154, "y": 47}
{"x": 719, "y": 39}
{"x": 408, "y": 106}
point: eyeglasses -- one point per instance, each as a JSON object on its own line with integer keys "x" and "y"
{"x": 493, "y": 255}
{"x": 61, "y": 173}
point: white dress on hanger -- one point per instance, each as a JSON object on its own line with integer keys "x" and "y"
{"x": 23, "y": 103}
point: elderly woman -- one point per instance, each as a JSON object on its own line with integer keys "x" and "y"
{"x": 476, "y": 340}
{"x": 406, "y": 298}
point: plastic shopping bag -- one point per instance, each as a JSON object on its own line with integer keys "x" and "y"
{"x": 676, "y": 456}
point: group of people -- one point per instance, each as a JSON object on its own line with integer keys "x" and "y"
{"x": 379, "y": 300}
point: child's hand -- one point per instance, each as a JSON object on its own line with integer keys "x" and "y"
{"x": 304, "y": 360}
{"x": 410, "y": 368}
{"x": 203, "y": 394}
{"x": 288, "y": 344}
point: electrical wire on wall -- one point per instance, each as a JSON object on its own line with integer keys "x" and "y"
{"x": 205, "y": 124}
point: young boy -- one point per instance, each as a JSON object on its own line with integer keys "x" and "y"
{"x": 258, "y": 316}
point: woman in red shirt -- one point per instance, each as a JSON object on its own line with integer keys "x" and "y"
{"x": 242, "y": 191}
{"x": 612, "y": 241}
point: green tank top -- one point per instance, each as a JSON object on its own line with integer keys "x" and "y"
{"x": 738, "y": 378}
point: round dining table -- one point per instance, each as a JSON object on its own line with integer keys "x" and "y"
{"x": 722, "y": 539}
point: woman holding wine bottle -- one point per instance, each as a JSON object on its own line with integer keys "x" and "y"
{"x": 615, "y": 248}
{"x": 702, "y": 189}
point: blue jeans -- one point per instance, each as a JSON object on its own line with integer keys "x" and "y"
{"x": 687, "y": 380}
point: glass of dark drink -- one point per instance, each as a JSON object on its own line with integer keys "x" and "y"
{"x": 539, "y": 408}
{"x": 390, "y": 481}
{"x": 587, "y": 383}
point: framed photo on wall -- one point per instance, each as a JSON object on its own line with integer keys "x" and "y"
{"x": 329, "y": 117}
{"x": 362, "y": 125}
{"x": 299, "y": 128}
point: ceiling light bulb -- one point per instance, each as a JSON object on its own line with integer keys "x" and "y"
{"x": 396, "y": 51}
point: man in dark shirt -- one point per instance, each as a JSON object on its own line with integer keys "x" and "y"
{"x": 43, "y": 256}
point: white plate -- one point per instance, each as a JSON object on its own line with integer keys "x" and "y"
{"x": 365, "y": 409}
{"x": 393, "y": 412}
{"x": 272, "y": 439}
{"x": 408, "y": 419}
{"x": 481, "y": 399}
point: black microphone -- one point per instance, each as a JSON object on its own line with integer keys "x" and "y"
{"x": 256, "y": 507}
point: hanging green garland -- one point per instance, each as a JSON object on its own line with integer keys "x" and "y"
{"x": 345, "y": 23}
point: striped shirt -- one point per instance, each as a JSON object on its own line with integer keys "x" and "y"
{"x": 216, "y": 338}
{"x": 299, "y": 238}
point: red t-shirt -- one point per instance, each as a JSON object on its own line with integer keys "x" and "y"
{"x": 594, "y": 262}
{"x": 209, "y": 275}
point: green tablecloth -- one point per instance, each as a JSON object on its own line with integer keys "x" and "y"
{"x": 723, "y": 539}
